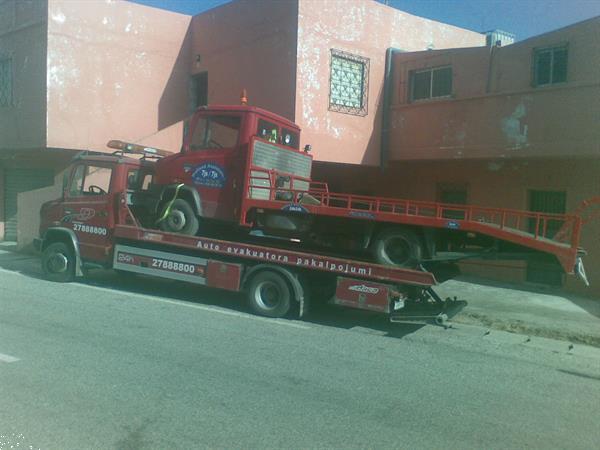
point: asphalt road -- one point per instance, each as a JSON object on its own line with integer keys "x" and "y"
{"x": 136, "y": 363}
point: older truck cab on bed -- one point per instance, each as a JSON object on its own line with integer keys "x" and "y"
{"x": 241, "y": 171}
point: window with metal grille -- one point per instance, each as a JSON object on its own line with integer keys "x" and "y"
{"x": 431, "y": 83}
{"x": 5, "y": 82}
{"x": 348, "y": 83}
{"x": 550, "y": 65}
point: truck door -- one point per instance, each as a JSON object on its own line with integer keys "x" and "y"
{"x": 213, "y": 165}
{"x": 87, "y": 208}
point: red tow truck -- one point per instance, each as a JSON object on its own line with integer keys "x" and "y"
{"x": 236, "y": 209}
{"x": 99, "y": 223}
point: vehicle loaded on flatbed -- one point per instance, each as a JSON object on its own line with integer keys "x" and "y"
{"x": 241, "y": 172}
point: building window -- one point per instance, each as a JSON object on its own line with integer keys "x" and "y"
{"x": 550, "y": 65}
{"x": 549, "y": 202}
{"x": 452, "y": 194}
{"x": 544, "y": 268}
{"x": 431, "y": 83}
{"x": 6, "y": 82}
{"x": 348, "y": 83}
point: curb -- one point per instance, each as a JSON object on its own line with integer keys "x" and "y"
{"x": 524, "y": 328}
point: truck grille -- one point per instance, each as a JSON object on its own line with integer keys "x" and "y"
{"x": 271, "y": 157}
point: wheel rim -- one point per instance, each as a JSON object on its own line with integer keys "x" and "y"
{"x": 267, "y": 295}
{"x": 397, "y": 250}
{"x": 176, "y": 220}
{"x": 57, "y": 263}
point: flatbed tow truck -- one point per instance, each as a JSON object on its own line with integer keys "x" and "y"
{"x": 97, "y": 227}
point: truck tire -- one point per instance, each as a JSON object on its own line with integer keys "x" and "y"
{"x": 58, "y": 262}
{"x": 399, "y": 247}
{"x": 269, "y": 294}
{"x": 181, "y": 219}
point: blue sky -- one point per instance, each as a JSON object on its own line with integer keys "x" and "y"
{"x": 525, "y": 18}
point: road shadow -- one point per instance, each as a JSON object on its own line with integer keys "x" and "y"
{"x": 320, "y": 313}
{"x": 367, "y": 322}
{"x": 24, "y": 263}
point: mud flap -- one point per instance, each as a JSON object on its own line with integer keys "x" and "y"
{"x": 580, "y": 271}
{"x": 437, "y": 311}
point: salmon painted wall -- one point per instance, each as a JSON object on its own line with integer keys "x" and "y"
{"x": 23, "y": 41}
{"x": 116, "y": 70}
{"x": 494, "y": 111}
{"x": 248, "y": 44}
{"x": 364, "y": 28}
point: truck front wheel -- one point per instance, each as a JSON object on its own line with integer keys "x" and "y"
{"x": 398, "y": 247}
{"x": 58, "y": 262}
{"x": 269, "y": 294}
{"x": 180, "y": 218}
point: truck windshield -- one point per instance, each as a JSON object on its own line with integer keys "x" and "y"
{"x": 215, "y": 132}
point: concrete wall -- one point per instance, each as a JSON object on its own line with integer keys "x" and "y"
{"x": 116, "y": 70}
{"x": 367, "y": 29}
{"x": 248, "y": 44}
{"x": 28, "y": 211}
{"x": 494, "y": 112}
{"x": 28, "y": 203}
{"x": 23, "y": 30}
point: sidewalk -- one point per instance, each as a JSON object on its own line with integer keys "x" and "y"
{"x": 514, "y": 308}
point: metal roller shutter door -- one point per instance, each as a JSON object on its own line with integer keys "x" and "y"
{"x": 16, "y": 181}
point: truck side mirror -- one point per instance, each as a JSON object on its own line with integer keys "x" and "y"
{"x": 307, "y": 148}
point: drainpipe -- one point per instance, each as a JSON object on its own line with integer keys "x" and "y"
{"x": 492, "y": 53}
{"x": 388, "y": 91}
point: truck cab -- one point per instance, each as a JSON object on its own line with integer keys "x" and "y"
{"x": 98, "y": 193}
{"x": 211, "y": 171}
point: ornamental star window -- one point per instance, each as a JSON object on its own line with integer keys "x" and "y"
{"x": 348, "y": 83}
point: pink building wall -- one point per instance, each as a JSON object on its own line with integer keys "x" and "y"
{"x": 23, "y": 40}
{"x": 248, "y": 44}
{"x": 115, "y": 70}
{"x": 494, "y": 112}
{"x": 367, "y": 29}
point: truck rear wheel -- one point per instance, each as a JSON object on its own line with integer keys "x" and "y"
{"x": 181, "y": 219}
{"x": 269, "y": 294}
{"x": 58, "y": 262}
{"x": 398, "y": 247}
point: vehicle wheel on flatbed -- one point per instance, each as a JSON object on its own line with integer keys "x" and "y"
{"x": 181, "y": 219}
{"x": 269, "y": 294}
{"x": 398, "y": 247}
{"x": 58, "y": 262}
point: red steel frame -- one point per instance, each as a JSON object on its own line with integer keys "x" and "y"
{"x": 300, "y": 260}
{"x": 505, "y": 224}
